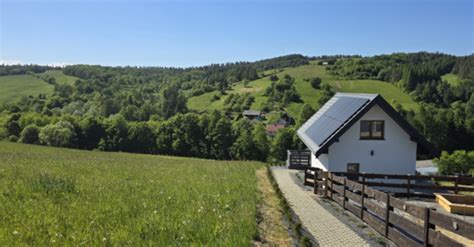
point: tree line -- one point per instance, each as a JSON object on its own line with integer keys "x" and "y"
{"x": 213, "y": 135}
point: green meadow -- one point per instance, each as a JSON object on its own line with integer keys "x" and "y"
{"x": 308, "y": 94}
{"x": 452, "y": 79}
{"x": 66, "y": 197}
{"x": 60, "y": 76}
{"x": 14, "y": 87}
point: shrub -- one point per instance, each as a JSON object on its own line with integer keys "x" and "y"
{"x": 460, "y": 161}
{"x": 30, "y": 134}
{"x": 215, "y": 97}
{"x": 60, "y": 134}
{"x": 13, "y": 138}
{"x": 315, "y": 82}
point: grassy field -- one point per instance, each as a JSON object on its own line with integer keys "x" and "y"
{"x": 53, "y": 196}
{"x": 14, "y": 87}
{"x": 389, "y": 91}
{"x": 308, "y": 94}
{"x": 452, "y": 79}
{"x": 60, "y": 77}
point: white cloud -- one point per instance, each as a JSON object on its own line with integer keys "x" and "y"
{"x": 16, "y": 62}
{"x": 10, "y": 62}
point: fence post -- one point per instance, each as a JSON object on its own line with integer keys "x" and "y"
{"x": 456, "y": 182}
{"x": 387, "y": 214}
{"x": 332, "y": 184}
{"x": 315, "y": 182}
{"x": 426, "y": 236}
{"x": 305, "y": 176}
{"x": 326, "y": 183}
{"x": 408, "y": 185}
{"x": 344, "y": 195}
{"x": 362, "y": 196}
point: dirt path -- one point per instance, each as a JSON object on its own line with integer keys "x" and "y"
{"x": 271, "y": 227}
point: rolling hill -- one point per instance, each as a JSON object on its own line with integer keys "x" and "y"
{"x": 14, "y": 87}
{"x": 308, "y": 94}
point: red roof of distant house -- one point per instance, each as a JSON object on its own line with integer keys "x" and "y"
{"x": 273, "y": 128}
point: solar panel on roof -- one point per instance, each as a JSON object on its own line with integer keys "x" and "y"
{"x": 334, "y": 117}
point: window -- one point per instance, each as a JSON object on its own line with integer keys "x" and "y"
{"x": 353, "y": 168}
{"x": 372, "y": 130}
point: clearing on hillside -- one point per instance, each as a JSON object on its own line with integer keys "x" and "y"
{"x": 14, "y": 87}
{"x": 72, "y": 197}
{"x": 60, "y": 76}
{"x": 308, "y": 94}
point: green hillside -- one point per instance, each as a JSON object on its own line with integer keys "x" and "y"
{"x": 67, "y": 197}
{"x": 308, "y": 94}
{"x": 14, "y": 87}
{"x": 60, "y": 76}
{"x": 452, "y": 79}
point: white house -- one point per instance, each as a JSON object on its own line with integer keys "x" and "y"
{"x": 361, "y": 133}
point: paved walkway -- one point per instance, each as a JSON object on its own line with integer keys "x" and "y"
{"x": 327, "y": 229}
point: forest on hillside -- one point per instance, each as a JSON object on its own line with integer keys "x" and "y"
{"x": 446, "y": 115}
{"x": 144, "y": 109}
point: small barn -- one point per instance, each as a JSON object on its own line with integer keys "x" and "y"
{"x": 361, "y": 133}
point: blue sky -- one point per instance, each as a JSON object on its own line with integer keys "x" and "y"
{"x": 191, "y": 33}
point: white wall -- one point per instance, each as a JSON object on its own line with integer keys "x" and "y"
{"x": 322, "y": 162}
{"x": 394, "y": 155}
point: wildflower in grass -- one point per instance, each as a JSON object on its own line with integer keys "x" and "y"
{"x": 155, "y": 212}
{"x": 15, "y": 233}
{"x": 104, "y": 239}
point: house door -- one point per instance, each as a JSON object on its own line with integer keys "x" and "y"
{"x": 353, "y": 168}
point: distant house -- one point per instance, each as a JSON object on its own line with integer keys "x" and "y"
{"x": 325, "y": 63}
{"x": 272, "y": 129}
{"x": 252, "y": 114}
{"x": 361, "y": 133}
{"x": 286, "y": 120}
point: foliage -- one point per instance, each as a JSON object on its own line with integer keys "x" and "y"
{"x": 60, "y": 134}
{"x": 172, "y": 102}
{"x": 52, "y": 196}
{"x": 238, "y": 102}
{"x": 30, "y": 134}
{"x": 306, "y": 113}
{"x": 22, "y": 69}
{"x": 315, "y": 82}
{"x": 460, "y": 161}
{"x": 282, "y": 92}
{"x": 281, "y": 62}
{"x": 464, "y": 67}
{"x": 282, "y": 142}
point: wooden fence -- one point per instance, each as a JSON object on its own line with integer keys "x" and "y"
{"x": 407, "y": 185}
{"x": 298, "y": 159}
{"x": 404, "y": 224}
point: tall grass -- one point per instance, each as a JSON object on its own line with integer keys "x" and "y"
{"x": 52, "y": 196}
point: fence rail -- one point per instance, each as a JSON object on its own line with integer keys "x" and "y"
{"x": 298, "y": 159}
{"x": 404, "y": 224}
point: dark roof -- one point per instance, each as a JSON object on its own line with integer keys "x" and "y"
{"x": 251, "y": 113}
{"x": 340, "y": 113}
